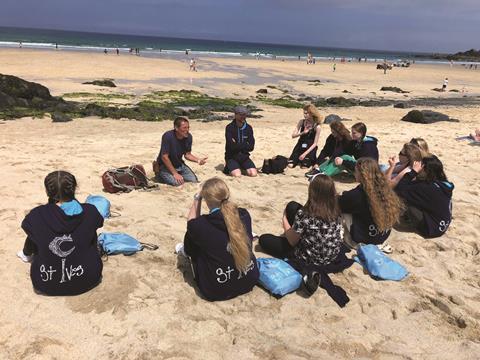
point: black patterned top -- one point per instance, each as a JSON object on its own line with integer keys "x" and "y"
{"x": 320, "y": 241}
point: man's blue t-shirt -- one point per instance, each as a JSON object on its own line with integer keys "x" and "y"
{"x": 175, "y": 148}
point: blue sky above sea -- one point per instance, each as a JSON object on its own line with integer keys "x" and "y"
{"x": 407, "y": 25}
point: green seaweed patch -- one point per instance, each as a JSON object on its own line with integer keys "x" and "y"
{"x": 20, "y": 112}
{"x": 108, "y": 96}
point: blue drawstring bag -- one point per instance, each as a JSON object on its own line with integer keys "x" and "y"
{"x": 101, "y": 203}
{"x": 119, "y": 243}
{"x": 379, "y": 265}
{"x": 277, "y": 276}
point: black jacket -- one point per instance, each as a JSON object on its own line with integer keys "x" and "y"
{"x": 332, "y": 149}
{"x": 363, "y": 230}
{"x": 433, "y": 199}
{"x": 244, "y": 141}
{"x": 367, "y": 147}
{"x": 66, "y": 260}
{"x": 206, "y": 242}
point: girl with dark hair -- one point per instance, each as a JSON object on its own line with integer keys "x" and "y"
{"x": 361, "y": 146}
{"x": 372, "y": 208}
{"x": 308, "y": 132}
{"x": 313, "y": 232}
{"x": 220, "y": 244}
{"x": 335, "y": 145}
{"x": 428, "y": 195}
{"x": 62, "y": 240}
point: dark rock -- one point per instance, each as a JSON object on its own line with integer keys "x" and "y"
{"x": 262, "y": 91}
{"x": 437, "y": 90}
{"x": 393, "y": 89}
{"x": 104, "y": 82}
{"x": 341, "y": 101}
{"x": 399, "y": 105}
{"x": 60, "y": 117}
{"x": 6, "y": 100}
{"x": 19, "y": 88}
{"x": 426, "y": 117}
{"x": 346, "y": 92}
{"x": 454, "y": 90}
{"x": 331, "y": 118}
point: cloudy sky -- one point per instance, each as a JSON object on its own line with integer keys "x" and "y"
{"x": 415, "y": 25}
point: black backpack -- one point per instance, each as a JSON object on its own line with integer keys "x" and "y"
{"x": 275, "y": 165}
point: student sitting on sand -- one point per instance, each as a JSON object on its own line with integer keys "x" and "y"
{"x": 308, "y": 131}
{"x": 361, "y": 146}
{"x": 239, "y": 142}
{"x": 62, "y": 240}
{"x": 428, "y": 195}
{"x": 313, "y": 232}
{"x": 220, "y": 244}
{"x": 422, "y": 145}
{"x": 372, "y": 208}
{"x": 335, "y": 145}
{"x": 177, "y": 143}
{"x": 407, "y": 156}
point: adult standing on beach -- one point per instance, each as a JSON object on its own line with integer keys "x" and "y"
{"x": 239, "y": 142}
{"x": 176, "y": 144}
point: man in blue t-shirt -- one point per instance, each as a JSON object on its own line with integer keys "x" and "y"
{"x": 177, "y": 143}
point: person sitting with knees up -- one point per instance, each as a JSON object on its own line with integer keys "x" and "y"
{"x": 62, "y": 240}
{"x": 308, "y": 131}
{"x": 220, "y": 244}
{"x": 313, "y": 232}
{"x": 361, "y": 146}
{"x": 239, "y": 142}
{"x": 372, "y": 208}
{"x": 407, "y": 156}
{"x": 428, "y": 196}
{"x": 335, "y": 145}
{"x": 176, "y": 144}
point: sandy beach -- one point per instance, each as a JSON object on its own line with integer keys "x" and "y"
{"x": 146, "y": 306}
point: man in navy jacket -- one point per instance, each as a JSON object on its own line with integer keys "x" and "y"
{"x": 239, "y": 142}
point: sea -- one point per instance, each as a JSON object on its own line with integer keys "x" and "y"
{"x": 157, "y": 46}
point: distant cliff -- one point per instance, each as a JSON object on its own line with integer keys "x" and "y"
{"x": 470, "y": 55}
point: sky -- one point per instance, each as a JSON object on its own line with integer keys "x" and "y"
{"x": 397, "y": 25}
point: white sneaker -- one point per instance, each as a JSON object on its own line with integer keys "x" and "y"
{"x": 180, "y": 250}
{"x": 23, "y": 257}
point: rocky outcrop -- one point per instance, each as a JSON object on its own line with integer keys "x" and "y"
{"x": 104, "y": 82}
{"x": 426, "y": 117}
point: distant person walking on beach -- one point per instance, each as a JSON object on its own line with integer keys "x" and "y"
{"x": 105, "y": 51}
{"x": 117, "y": 51}
{"x": 176, "y": 144}
{"x": 239, "y": 142}
{"x": 334, "y": 67}
{"x": 193, "y": 65}
{"x": 56, "y": 46}
{"x": 445, "y": 84}
{"x": 20, "y": 44}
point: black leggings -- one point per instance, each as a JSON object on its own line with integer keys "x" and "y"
{"x": 278, "y": 246}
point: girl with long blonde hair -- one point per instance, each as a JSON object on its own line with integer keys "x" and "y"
{"x": 220, "y": 244}
{"x": 372, "y": 208}
{"x": 308, "y": 132}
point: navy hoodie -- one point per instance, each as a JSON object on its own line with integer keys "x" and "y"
{"x": 367, "y": 147}
{"x": 332, "y": 149}
{"x": 363, "y": 229}
{"x": 206, "y": 242}
{"x": 433, "y": 199}
{"x": 244, "y": 141}
{"x": 66, "y": 260}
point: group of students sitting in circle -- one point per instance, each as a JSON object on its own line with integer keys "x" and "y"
{"x": 62, "y": 240}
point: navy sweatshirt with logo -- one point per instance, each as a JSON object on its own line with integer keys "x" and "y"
{"x": 239, "y": 142}
{"x": 66, "y": 260}
{"x": 207, "y": 243}
{"x": 363, "y": 229}
{"x": 433, "y": 199}
{"x": 367, "y": 148}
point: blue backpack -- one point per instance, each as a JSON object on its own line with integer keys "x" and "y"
{"x": 379, "y": 265}
{"x": 120, "y": 243}
{"x": 277, "y": 276}
{"x": 101, "y": 203}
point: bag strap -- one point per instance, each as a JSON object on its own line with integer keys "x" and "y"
{"x": 149, "y": 246}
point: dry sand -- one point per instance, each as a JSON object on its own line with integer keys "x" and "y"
{"x": 146, "y": 308}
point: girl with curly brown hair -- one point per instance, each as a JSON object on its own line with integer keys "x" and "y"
{"x": 372, "y": 208}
